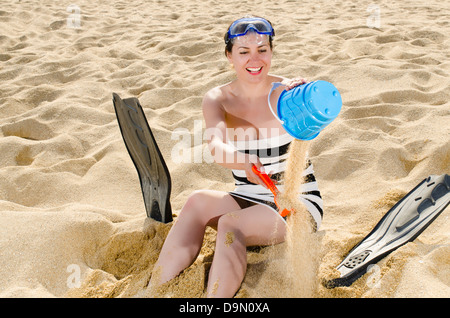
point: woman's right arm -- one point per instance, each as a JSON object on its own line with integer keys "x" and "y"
{"x": 223, "y": 152}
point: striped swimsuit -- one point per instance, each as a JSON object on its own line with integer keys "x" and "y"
{"x": 273, "y": 152}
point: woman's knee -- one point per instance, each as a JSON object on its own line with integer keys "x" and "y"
{"x": 194, "y": 204}
{"x": 254, "y": 227}
{"x": 228, "y": 226}
{"x": 198, "y": 204}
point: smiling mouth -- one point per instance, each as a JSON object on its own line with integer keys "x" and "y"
{"x": 254, "y": 70}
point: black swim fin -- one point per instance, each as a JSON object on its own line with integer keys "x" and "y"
{"x": 401, "y": 224}
{"x": 152, "y": 170}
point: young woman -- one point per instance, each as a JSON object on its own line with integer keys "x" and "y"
{"x": 243, "y": 133}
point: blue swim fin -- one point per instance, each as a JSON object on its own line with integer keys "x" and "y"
{"x": 152, "y": 170}
{"x": 401, "y": 224}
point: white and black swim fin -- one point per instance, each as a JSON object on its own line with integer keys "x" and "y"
{"x": 152, "y": 170}
{"x": 401, "y": 224}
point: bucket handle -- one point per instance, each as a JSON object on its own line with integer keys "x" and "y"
{"x": 275, "y": 85}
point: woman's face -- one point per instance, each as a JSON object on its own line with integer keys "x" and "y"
{"x": 251, "y": 57}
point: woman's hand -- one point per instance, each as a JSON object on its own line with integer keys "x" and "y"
{"x": 253, "y": 160}
{"x": 291, "y": 83}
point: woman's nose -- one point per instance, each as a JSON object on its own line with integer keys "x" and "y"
{"x": 254, "y": 56}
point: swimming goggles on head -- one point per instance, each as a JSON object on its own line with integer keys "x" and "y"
{"x": 242, "y": 26}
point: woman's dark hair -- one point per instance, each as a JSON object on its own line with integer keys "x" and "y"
{"x": 229, "y": 44}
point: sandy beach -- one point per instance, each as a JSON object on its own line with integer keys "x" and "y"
{"x": 73, "y": 222}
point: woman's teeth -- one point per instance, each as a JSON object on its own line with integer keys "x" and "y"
{"x": 254, "y": 69}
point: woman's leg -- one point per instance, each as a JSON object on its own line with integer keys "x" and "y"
{"x": 256, "y": 225}
{"x": 185, "y": 238}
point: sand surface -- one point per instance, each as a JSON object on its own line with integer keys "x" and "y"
{"x": 72, "y": 217}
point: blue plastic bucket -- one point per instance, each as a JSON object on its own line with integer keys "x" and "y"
{"x": 306, "y": 110}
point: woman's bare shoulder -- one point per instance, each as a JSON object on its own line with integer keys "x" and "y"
{"x": 216, "y": 96}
